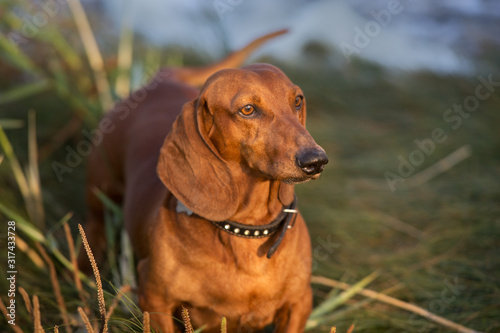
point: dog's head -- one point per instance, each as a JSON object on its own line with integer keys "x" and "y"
{"x": 250, "y": 119}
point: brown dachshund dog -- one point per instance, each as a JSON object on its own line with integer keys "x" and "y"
{"x": 206, "y": 180}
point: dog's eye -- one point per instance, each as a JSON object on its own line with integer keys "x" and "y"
{"x": 247, "y": 110}
{"x": 299, "y": 100}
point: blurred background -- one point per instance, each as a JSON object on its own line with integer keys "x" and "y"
{"x": 403, "y": 95}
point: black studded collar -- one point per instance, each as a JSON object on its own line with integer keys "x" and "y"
{"x": 284, "y": 221}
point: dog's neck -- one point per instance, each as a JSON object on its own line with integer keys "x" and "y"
{"x": 261, "y": 201}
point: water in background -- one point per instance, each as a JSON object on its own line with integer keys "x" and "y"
{"x": 443, "y": 36}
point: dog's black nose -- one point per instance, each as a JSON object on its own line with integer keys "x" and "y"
{"x": 312, "y": 161}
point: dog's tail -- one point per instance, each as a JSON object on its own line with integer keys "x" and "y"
{"x": 198, "y": 76}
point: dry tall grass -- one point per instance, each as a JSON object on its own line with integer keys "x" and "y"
{"x": 33, "y": 307}
{"x": 100, "y": 292}
{"x": 145, "y": 322}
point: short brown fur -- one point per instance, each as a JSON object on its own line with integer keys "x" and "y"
{"x": 222, "y": 165}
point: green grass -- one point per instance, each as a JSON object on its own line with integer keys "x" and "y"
{"x": 437, "y": 242}
{"x": 364, "y": 130}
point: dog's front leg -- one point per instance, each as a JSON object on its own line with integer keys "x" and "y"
{"x": 292, "y": 317}
{"x": 153, "y": 300}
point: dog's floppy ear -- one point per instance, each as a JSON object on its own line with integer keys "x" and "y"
{"x": 192, "y": 169}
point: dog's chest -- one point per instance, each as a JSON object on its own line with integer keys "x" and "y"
{"x": 226, "y": 284}
{"x": 246, "y": 301}
{"x": 224, "y": 289}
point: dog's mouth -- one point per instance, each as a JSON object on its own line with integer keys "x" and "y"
{"x": 294, "y": 181}
{"x": 298, "y": 180}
